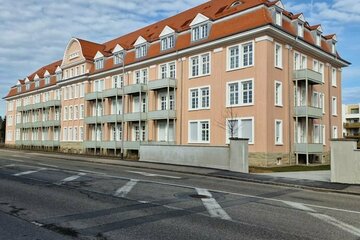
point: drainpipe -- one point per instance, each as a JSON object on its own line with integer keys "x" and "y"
{"x": 289, "y": 97}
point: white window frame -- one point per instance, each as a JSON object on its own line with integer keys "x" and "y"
{"x": 240, "y": 64}
{"x": 167, "y": 42}
{"x": 200, "y": 65}
{"x": 119, "y": 57}
{"x": 278, "y": 56}
{"x": 334, "y": 77}
{"x": 279, "y": 140}
{"x": 335, "y": 133}
{"x": 168, "y": 72}
{"x": 141, "y": 50}
{"x": 99, "y": 63}
{"x": 300, "y": 29}
{"x": 240, "y": 83}
{"x": 240, "y": 119}
{"x": 199, "y": 122}
{"x": 278, "y": 102}
{"x": 198, "y": 33}
{"x": 200, "y": 96}
{"x": 334, "y": 106}
{"x": 278, "y": 18}
{"x": 143, "y": 78}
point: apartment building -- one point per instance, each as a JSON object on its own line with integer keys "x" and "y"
{"x": 351, "y": 121}
{"x": 247, "y": 69}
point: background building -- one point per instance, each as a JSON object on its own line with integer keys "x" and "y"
{"x": 226, "y": 68}
{"x": 351, "y": 121}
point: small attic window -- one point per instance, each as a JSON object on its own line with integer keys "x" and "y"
{"x": 19, "y": 88}
{"x": 333, "y": 48}
{"x": 278, "y": 18}
{"x": 236, "y": 3}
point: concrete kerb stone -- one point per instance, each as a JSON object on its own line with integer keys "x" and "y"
{"x": 222, "y": 176}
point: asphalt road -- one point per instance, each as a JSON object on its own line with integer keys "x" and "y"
{"x": 48, "y": 198}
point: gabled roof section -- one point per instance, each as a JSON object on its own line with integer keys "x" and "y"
{"x": 27, "y": 80}
{"x": 140, "y": 41}
{"x": 46, "y": 74}
{"x": 19, "y": 82}
{"x": 317, "y": 28}
{"x": 299, "y": 16}
{"x": 90, "y": 49}
{"x": 98, "y": 55}
{"x": 118, "y": 48}
{"x": 36, "y": 77}
{"x": 200, "y": 18}
{"x": 166, "y": 31}
{"x": 280, "y": 4}
{"x": 58, "y": 69}
{"x": 331, "y": 37}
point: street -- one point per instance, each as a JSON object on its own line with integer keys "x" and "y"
{"x": 43, "y": 197}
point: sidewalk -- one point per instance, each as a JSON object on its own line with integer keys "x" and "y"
{"x": 273, "y": 179}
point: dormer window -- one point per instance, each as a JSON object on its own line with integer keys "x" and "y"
{"x": 47, "y": 80}
{"x": 119, "y": 57}
{"x": 300, "y": 30}
{"x": 141, "y": 51}
{"x": 19, "y": 88}
{"x": 167, "y": 42}
{"x": 200, "y": 27}
{"x": 236, "y": 3}
{"x": 278, "y": 18}
{"x": 99, "y": 63}
{"x": 58, "y": 76}
{"x": 37, "y": 83}
{"x": 333, "y": 48}
{"x": 27, "y": 86}
{"x": 318, "y": 39}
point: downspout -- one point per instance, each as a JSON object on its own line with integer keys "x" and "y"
{"x": 181, "y": 99}
{"x": 289, "y": 97}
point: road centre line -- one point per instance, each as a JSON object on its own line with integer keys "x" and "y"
{"x": 48, "y": 165}
{"x": 153, "y": 175}
{"x": 28, "y": 172}
{"x": 212, "y": 206}
{"x": 330, "y": 220}
{"x": 211, "y": 190}
{"x": 124, "y": 190}
{"x": 72, "y": 178}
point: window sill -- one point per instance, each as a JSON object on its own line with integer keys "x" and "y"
{"x": 279, "y": 67}
{"x": 240, "y": 105}
{"x": 279, "y": 105}
{"x": 198, "y": 109}
{"x": 239, "y": 68}
{"x": 199, "y": 76}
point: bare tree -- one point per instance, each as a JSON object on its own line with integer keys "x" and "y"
{"x": 229, "y": 122}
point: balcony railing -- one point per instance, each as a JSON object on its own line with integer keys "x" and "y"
{"x": 93, "y": 96}
{"x": 162, "y": 83}
{"x": 312, "y": 112}
{"x": 308, "y": 74}
{"x": 113, "y": 92}
{"x": 162, "y": 114}
{"x": 352, "y": 125}
{"x": 130, "y": 117}
{"x": 112, "y": 118}
{"x": 304, "y": 148}
{"x": 135, "y": 88}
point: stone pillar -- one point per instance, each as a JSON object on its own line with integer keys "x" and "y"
{"x": 239, "y": 155}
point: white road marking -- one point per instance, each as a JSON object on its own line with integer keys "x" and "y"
{"x": 124, "y": 190}
{"x": 212, "y": 205}
{"x": 15, "y": 160}
{"x": 93, "y": 172}
{"x": 330, "y": 220}
{"x": 6, "y": 166}
{"x": 48, "y": 165}
{"x": 154, "y": 175}
{"x": 28, "y": 172}
{"x": 72, "y": 178}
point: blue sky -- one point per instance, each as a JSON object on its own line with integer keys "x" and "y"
{"x": 35, "y": 33}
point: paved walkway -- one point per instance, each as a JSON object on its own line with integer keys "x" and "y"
{"x": 323, "y": 176}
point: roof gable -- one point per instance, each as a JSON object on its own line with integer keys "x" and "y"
{"x": 166, "y": 31}
{"x": 46, "y": 74}
{"x": 58, "y": 69}
{"x": 36, "y": 77}
{"x": 200, "y": 18}
{"x": 140, "y": 40}
{"x": 118, "y": 48}
{"x": 280, "y": 5}
{"x": 98, "y": 55}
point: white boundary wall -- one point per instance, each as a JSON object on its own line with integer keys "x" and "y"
{"x": 345, "y": 162}
{"x": 233, "y": 157}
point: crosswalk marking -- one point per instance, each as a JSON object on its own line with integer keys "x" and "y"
{"x": 72, "y": 178}
{"x": 28, "y": 172}
{"x": 124, "y": 190}
{"x": 212, "y": 206}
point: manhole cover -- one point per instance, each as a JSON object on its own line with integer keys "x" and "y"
{"x": 199, "y": 196}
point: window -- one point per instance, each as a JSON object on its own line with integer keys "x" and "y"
{"x": 141, "y": 76}
{"x": 240, "y": 93}
{"x": 116, "y": 133}
{"x": 164, "y": 101}
{"x": 141, "y": 51}
{"x": 200, "y": 32}
{"x": 323, "y": 135}
{"x": 318, "y": 39}
{"x": 322, "y": 102}
{"x": 117, "y": 81}
{"x": 278, "y": 55}
{"x": 240, "y": 128}
{"x": 334, "y": 132}
{"x": 119, "y": 57}
{"x": 37, "y": 83}
{"x": 71, "y": 113}
{"x": 66, "y": 114}
{"x": 27, "y": 86}
{"x": 81, "y": 133}
{"x": 65, "y": 134}
{"x": 200, "y": 65}
{"x": 9, "y": 135}
{"x": 199, "y": 131}
{"x": 76, "y": 112}
{"x": 300, "y": 30}
{"x": 19, "y": 88}
{"x": 240, "y": 56}
{"x": 82, "y": 90}
{"x": 278, "y": 94}
{"x": 18, "y": 135}
{"x": 278, "y": 132}
{"x": 334, "y": 106}
{"x": 98, "y": 85}
{"x": 9, "y": 120}
{"x": 167, "y": 42}
{"x": 82, "y": 114}
{"x": 333, "y": 77}
{"x": 167, "y": 70}
{"x": 199, "y": 98}
{"x": 47, "y": 80}
{"x": 82, "y": 69}
{"x": 333, "y": 48}
{"x": 278, "y": 18}
{"x": 99, "y": 63}
{"x": 300, "y": 61}
{"x": 70, "y": 134}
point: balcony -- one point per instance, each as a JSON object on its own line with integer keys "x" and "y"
{"x": 162, "y": 114}
{"x": 27, "y": 142}
{"x": 351, "y": 125}
{"x": 27, "y": 125}
{"x": 37, "y": 124}
{"x": 135, "y": 88}
{"x": 311, "y": 112}
{"x": 311, "y": 148}
{"x": 51, "y": 143}
{"x": 111, "y": 144}
{"x": 162, "y": 83}
{"x": 93, "y": 119}
{"x": 94, "y": 96}
{"x": 52, "y": 103}
{"x": 51, "y": 123}
{"x": 113, "y": 92}
{"x": 133, "y": 117}
{"x": 92, "y": 144}
{"x": 20, "y": 109}
{"x": 112, "y": 118}
{"x": 307, "y": 74}
{"x": 19, "y": 125}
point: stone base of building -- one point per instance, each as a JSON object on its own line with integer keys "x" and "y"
{"x": 72, "y": 147}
